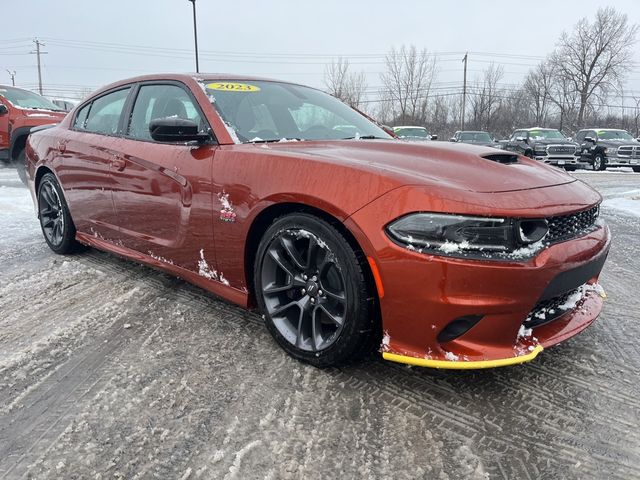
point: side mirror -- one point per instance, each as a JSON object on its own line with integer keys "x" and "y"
{"x": 453, "y": 139}
{"x": 521, "y": 139}
{"x": 590, "y": 139}
{"x": 3, "y": 109}
{"x": 174, "y": 129}
{"x": 434, "y": 137}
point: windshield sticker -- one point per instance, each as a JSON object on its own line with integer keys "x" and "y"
{"x": 233, "y": 87}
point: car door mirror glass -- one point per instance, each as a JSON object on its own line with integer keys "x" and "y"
{"x": 175, "y": 129}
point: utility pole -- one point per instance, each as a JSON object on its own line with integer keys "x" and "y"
{"x": 38, "y": 52}
{"x": 195, "y": 33}
{"x": 464, "y": 91}
{"x": 13, "y": 77}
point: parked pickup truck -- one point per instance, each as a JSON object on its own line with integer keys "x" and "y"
{"x": 547, "y": 145}
{"x": 21, "y": 110}
{"x": 608, "y": 147}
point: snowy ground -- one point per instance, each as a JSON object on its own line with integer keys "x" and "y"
{"x": 112, "y": 370}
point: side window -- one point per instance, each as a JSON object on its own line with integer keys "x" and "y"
{"x": 160, "y": 101}
{"x": 593, "y": 134}
{"x": 105, "y": 112}
{"x": 515, "y": 135}
{"x": 81, "y": 117}
{"x": 580, "y": 136}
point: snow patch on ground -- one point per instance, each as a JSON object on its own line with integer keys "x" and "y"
{"x": 628, "y": 202}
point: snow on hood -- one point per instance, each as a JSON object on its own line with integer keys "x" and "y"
{"x": 459, "y": 166}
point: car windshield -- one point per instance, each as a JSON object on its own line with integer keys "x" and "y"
{"x": 614, "y": 135}
{"x": 546, "y": 135}
{"x": 417, "y": 132}
{"x": 265, "y": 111}
{"x": 475, "y": 137}
{"x": 26, "y": 99}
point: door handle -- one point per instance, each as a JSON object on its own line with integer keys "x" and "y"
{"x": 62, "y": 146}
{"x": 118, "y": 163}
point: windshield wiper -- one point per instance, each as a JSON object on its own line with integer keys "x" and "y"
{"x": 363, "y": 137}
{"x": 276, "y": 140}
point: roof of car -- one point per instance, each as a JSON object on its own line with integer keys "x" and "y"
{"x": 538, "y": 128}
{"x": 472, "y": 131}
{"x": 184, "y": 77}
{"x": 410, "y": 126}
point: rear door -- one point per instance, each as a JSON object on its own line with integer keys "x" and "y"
{"x": 162, "y": 191}
{"x": 87, "y": 150}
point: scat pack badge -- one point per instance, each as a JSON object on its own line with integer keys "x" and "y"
{"x": 226, "y": 213}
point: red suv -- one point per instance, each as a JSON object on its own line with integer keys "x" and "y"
{"x": 21, "y": 110}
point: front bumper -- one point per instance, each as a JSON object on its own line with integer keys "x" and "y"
{"x": 424, "y": 293}
{"x": 615, "y": 161}
{"x": 559, "y": 160}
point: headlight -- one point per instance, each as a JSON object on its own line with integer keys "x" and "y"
{"x": 540, "y": 149}
{"x": 605, "y": 151}
{"x": 464, "y": 236}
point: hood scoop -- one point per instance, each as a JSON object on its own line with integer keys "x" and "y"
{"x": 505, "y": 158}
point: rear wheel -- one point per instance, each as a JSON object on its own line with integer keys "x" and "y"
{"x": 55, "y": 220}
{"x": 636, "y": 169}
{"x": 312, "y": 289}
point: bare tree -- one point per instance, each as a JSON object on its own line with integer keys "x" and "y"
{"x": 487, "y": 97}
{"x": 348, "y": 86}
{"x": 537, "y": 88}
{"x": 596, "y": 56}
{"x": 407, "y": 81}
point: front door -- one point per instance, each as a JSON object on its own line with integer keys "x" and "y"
{"x": 162, "y": 191}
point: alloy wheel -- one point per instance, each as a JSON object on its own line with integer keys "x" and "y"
{"x": 51, "y": 214}
{"x": 304, "y": 290}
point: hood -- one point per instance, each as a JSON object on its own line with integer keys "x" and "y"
{"x": 617, "y": 143}
{"x": 557, "y": 141}
{"x": 42, "y": 114}
{"x": 457, "y": 166}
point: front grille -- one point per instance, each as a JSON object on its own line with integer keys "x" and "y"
{"x": 564, "y": 227}
{"x": 548, "y": 310}
{"x": 630, "y": 151}
{"x": 561, "y": 150}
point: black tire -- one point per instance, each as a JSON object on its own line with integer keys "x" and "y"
{"x": 636, "y": 169}
{"x": 55, "y": 220}
{"x": 313, "y": 291}
{"x": 570, "y": 168}
{"x": 598, "y": 163}
{"x": 20, "y": 164}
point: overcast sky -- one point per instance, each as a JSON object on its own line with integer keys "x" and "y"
{"x": 90, "y": 44}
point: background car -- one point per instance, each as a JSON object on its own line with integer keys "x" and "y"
{"x": 414, "y": 133}
{"x": 547, "y": 145}
{"x": 603, "y": 147}
{"x": 243, "y": 187}
{"x": 20, "y": 110}
{"x": 475, "y": 138}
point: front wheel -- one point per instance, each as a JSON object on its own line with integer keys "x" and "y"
{"x": 598, "y": 163}
{"x": 55, "y": 220}
{"x": 312, "y": 289}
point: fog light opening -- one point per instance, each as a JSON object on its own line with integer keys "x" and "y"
{"x": 458, "y": 327}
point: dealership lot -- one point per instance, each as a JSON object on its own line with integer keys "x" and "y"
{"x": 111, "y": 369}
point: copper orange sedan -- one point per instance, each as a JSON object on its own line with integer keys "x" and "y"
{"x": 280, "y": 197}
